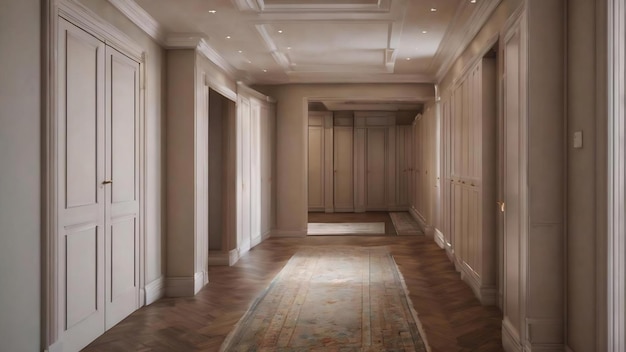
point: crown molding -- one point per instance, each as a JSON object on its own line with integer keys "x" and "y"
{"x": 153, "y": 28}
{"x": 243, "y": 88}
{"x": 352, "y": 77}
{"x": 300, "y": 6}
{"x": 460, "y": 35}
{"x": 141, "y": 18}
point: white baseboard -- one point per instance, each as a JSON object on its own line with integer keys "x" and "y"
{"x": 510, "y": 337}
{"x": 258, "y": 240}
{"x": 421, "y": 221}
{"x": 486, "y": 294}
{"x": 184, "y": 286}
{"x": 55, "y": 347}
{"x": 288, "y": 233}
{"x": 200, "y": 279}
{"x": 218, "y": 258}
{"x": 440, "y": 239}
{"x": 545, "y": 335}
{"x": 155, "y": 290}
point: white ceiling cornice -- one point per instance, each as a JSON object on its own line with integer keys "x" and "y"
{"x": 311, "y": 77}
{"x": 151, "y": 26}
{"x": 460, "y": 34}
{"x": 141, "y": 18}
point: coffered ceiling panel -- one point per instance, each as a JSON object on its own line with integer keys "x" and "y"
{"x": 311, "y": 41}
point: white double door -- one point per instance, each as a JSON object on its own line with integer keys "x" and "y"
{"x": 98, "y": 186}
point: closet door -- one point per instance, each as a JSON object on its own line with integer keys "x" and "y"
{"x": 316, "y": 168}
{"x": 81, "y": 171}
{"x": 376, "y": 168}
{"x": 343, "y": 168}
{"x": 122, "y": 194}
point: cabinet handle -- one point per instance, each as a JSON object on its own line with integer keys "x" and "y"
{"x": 106, "y": 182}
{"x": 501, "y": 205}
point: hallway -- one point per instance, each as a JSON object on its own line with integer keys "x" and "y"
{"x": 452, "y": 317}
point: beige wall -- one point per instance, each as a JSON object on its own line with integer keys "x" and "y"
{"x": 155, "y": 134}
{"x": 585, "y": 176}
{"x": 20, "y": 123}
{"x": 291, "y": 139}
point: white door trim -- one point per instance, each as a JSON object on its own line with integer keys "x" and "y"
{"x": 88, "y": 21}
{"x": 616, "y": 187}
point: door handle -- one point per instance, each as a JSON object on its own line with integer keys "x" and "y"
{"x": 501, "y": 205}
{"x": 106, "y": 182}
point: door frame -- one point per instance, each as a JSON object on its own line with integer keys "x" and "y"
{"x": 85, "y": 19}
{"x": 616, "y": 182}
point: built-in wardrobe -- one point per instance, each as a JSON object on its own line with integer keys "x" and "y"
{"x": 469, "y": 131}
{"x": 358, "y": 161}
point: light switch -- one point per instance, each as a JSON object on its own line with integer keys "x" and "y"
{"x": 578, "y": 139}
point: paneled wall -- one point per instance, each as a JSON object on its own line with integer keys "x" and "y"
{"x": 464, "y": 224}
{"x": 359, "y": 163}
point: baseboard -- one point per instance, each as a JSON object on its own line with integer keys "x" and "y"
{"x": 329, "y": 210}
{"x": 421, "y": 221}
{"x": 510, "y": 337}
{"x": 233, "y": 257}
{"x": 288, "y": 233}
{"x": 184, "y": 286}
{"x": 55, "y": 347}
{"x": 440, "y": 239}
{"x": 485, "y": 294}
{"x": 200, "y": 279}
{"x": 218, "y": 258}
{"x": 545, "y": 335}
{"x": 155, "y": 290}
{"x": 258, "y": 240}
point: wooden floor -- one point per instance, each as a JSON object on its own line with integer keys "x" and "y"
{"x": 452, "y": 318}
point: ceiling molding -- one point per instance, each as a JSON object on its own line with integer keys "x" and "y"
{"x": 317, "y": 77}
{"x": 151, "y": 27}
{"x": 461, "y": 34}
{"x": 266, "y": 6}
{"x": 248, "y": 5}
{"x": 141, "y": 18}
{"x": 196, "y": 41}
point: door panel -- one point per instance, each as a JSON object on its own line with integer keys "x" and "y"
{"x": 81, "y": 116}
{"x": 122, "y": 206}
{"x": 316, "y": 168}
{"x": 344, "y": 177}
{"x": 376, "y": 168}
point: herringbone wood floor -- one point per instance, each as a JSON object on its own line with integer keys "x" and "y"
{"x": 452, "y": 318}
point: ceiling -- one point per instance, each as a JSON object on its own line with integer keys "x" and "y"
{"x": 320, "y": 41}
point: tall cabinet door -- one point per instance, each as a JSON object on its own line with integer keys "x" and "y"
{"x": 81, "y": 171}
{"x": 376, "y": 168}
{"x": 343, "y": 168}
{"x": 316, "y": 168}
{"x": 122, "y": 195}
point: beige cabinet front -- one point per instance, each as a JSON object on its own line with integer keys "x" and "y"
{"x": 343, "y": 168}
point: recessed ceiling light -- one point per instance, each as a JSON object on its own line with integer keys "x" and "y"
{"x": 473, "y": 1}
{"x": 280, "y": 31}
{"x": 249, "y": 61}
{"x": 432, "y": 9}
{"x": 408, "y": 59}
{"x": 424, "y": 32}
{"x": 227, "y": 37}
{"x": 240, "y": 51}
{"x": 212, "y": 11}
{"x": 288, "y": 48}
{"x": 264, "y": 70}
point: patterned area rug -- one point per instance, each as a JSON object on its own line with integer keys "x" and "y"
{"x": 405, "y": 224}
{"x": 332, "y": 298}
{"x": 346, "y": 228}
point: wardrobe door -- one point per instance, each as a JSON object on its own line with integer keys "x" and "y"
{"x": 376, "y": 168}
{"x": 343, "y": 169}
{"x": 316, "y": 168}
{"x": 81, "y": 172}
{"x": 122, "y": 194}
